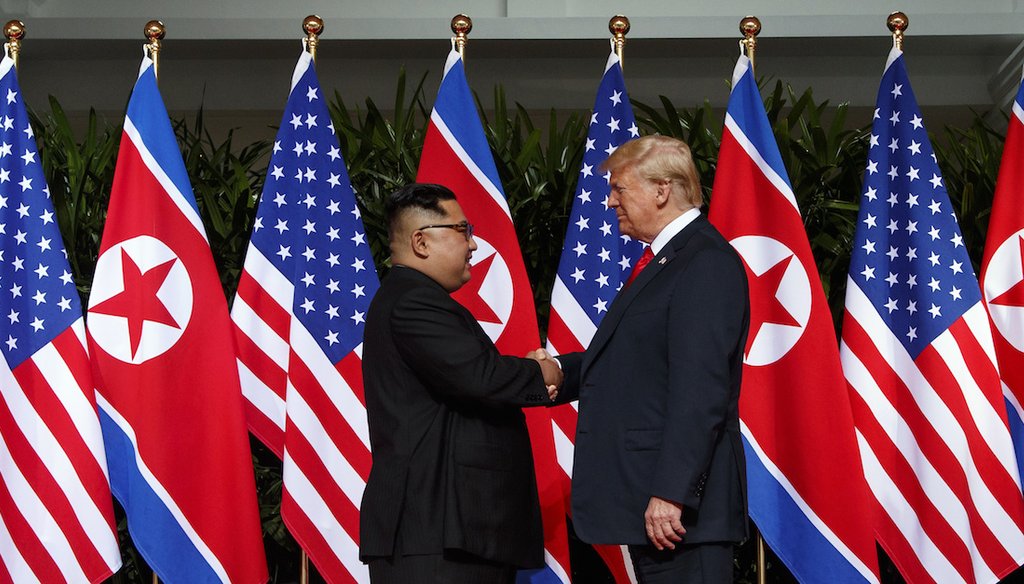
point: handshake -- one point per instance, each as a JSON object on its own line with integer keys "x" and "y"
{"x": 551, "y": 370}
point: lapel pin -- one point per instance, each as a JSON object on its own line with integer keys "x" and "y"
{"x": 662, "y": 261}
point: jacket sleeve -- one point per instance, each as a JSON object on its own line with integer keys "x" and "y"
{"x": 706, "y": 322}
{"x": 570, "y": 390}
{"x": 451, "y": 359}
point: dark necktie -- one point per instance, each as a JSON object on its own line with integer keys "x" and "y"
{"x": 641, "y": 263}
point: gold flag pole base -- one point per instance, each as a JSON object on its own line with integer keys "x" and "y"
{"x": 619, "y": 27}
{"x": 154, "y": 32}
{"x": 461, "y": 27}
{"x": 897, "y": 23}
{"x": 14, "y": 30}
{"x": 750, "y": 27}
{"x": 313, "y": 26}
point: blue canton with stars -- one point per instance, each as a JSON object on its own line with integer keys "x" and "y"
{"x": 596, "y": 259}
{"x": 309, "y": 227}
{"x": 38, "y": 299}
{"x": 909, "y": 257}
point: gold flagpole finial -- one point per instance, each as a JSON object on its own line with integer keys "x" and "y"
{"x": 154, "y": 32}
{"x": 750, "y": 27}
{"x": 461, "y": 27}
{"x": 619, "y": 27}
{"x": 14, "y": 30}
{"x": 313, "y": 26}
{"x": 897, "y": 23}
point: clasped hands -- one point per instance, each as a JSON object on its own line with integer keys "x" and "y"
{"x": 550, "y": 369}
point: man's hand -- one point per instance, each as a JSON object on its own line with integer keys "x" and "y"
{"x": 549, "y": 369}
{"x": 663, "y": 520}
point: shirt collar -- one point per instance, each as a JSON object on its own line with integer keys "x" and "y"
{"x": 673, "y": 229}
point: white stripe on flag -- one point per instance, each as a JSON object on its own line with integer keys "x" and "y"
{"x": 571, "y": 313}
{"x": 806, "y": 509}
{"x": 261, "y": 397}
{"x": 555, "y": 567}
{"x": 14, "y": 563}
{"x": 329, "y": 378}
{"x": 769, "y": 173}
{"x": 470, "y": 165}
{"x": 160, "y": 491}
{"x": 269, "y": 278}
{"x": 903, "y": 515}
{"x": 252, "y": 325}
{"x": 565, "y": 450}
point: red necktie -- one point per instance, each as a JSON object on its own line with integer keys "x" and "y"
{"x": 641, "y": 263}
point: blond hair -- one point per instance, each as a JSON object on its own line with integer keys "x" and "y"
{"x": 657, "y": 159}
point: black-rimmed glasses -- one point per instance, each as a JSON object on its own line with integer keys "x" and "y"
{"x": 465, "y": 228}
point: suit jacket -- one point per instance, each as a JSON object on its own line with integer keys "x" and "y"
{"x": 659, "y": 391}
{"x": 452, "y": 465}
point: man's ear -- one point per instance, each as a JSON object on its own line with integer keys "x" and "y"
{"x": 419, "y": 244}
{"x": 664, "y": 192}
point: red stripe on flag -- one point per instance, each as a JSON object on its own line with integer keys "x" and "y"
{"x": 561, "y": 336}
{"x": 351, "y": 369}
{"x": 980, "y": 365}
{"x": 308, "y": 461}
{"x": 26, "y": 540}
{"x": 38, "y": 475}
{"x": 276, "y": 317}
{"x": 262, "y": 366}
{"x": 341, "y": 433}
{"x": 264, "y": 429}
{"x": 309, "y": 538}
{"x": 899, "y": 550}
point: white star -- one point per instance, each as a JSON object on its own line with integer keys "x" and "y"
{"x": 281, "y": 226}
{"x": 892, "y": 280}
{"x": 358, "y": 265}
{"x": 13, "y": 316}
{"x": 913, "y": 174}
{"x": 311, "y": 93}
{"x": 258, "y": 224}
{"x": 298, "y": 150}
{"x": 891, "y": 200}
{"x": 64, "y": 304}
{"x": 934, "y": 233}
{"x": 602, "y": 280}
{"x": 310, "y": 174}
{"x": 634, "y": 131}
{"x": 870, "y": 221}
{"x": 894, "y": 145}
{"x": 912, "y": 333}
{"x": 309, "y": 227}
{"x": 5, "y": 175}
{"x": 20, "y": 236}
{"x": 331, "y": 338}
{"x": 23, "y": 210}
{"x": 584, "y": 196}
{"x": 39, "y": 297}
{"x": 616, "y": 97}
{"x": 358, "y": 238}
{"x": 934, "y": 206}
{"x": 611, "y": 148}
{"x": 896, "y": 90}
{"x": 955, "y": 293}
{"x": 15, "y": 291}
{"x": 334, "y": 180}
{"x": 332, "y": 312}
{"x": 590, "y": 144}
{"x": 333, "y": 259}
{"x": 605, "y": 255}
{"x": 42, "y": 271}
{"x": 601, "y": 306}
{"x": 935, "y": 311}
{"x": 12, "y": 343}
{"x": 580, "y": 249}
{"x": 11, "y": 96}
{"x": 309, "y": 254}
{"x": 891, "y": 305}
{"x": 357, "y": 317}
{"x": 912, "y": 306}
{"x": 936, "y": 181}
{"x": 874, "y": 138}
{"x": 911, "y": 200}
{"x": 296, "y": 121}
{"x": 583, "y": 223}
{"x": 911, "y": 227}
{"x": 593, "y": 118}
{"x": 876, "y": 116}
{"x": 957, "y": 240}
{"x": 871, "y": 193}
{"x": 894, "y": 118}
{"x": 868, "y": 273}
{"x": 308, "y": 279}
{"x": 957, "y": 267}
{"x": 47, "y": 217}
{"x": 934, "y": 285}
{"x": 44, "y": 244}
{"x": 26, "y": 183}
{"x": 587, "y": 170}
{"x": 333, "y": 207}
{"x": 916, "y": 122}
{"x": 310, "y": 147}
{"x": 606, "y": 228}
{"x": 911, "y": 253}
{"x": 357, "y": 291}
{"x": 934, "y": 258}
{"x": 333, "y": 286}
{"x": 577, "y": 275}
{"x": 310, "y": 121}
{"x": 892, "y": 172}
{"x": 892, "y": 226}
{"x": 868, "y": 247}
{"x": 892, "y": 253}
{"x": 872, "y": 167}
{"x": 19, "y": 264}
{"x": 613, "y": 125}
{"x": 307, "y": 305}
{"x": 285, "y": 251}
{"x": 914, "y": 147}
{"x": 277, "y": 146}
{"x": 309, "y": 201}
{"x": 912, "y": 281}
{"x": 278, "y": 172}
{"x": 298, "y": 174}
{"x": 29, "y": 157}
{"x": 334, "y": 153}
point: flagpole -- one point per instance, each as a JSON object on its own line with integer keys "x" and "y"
{"x": 154, "y": 32}
{"x": 619, "y": 27}
{"x": 313, "y": 26}
{"x": 897, "y": 23}
{"x": 14, "y": 30}
{"x": 750, "y": 27}
{"x": 461, "y": 26}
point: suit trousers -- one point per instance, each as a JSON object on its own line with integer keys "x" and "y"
{"x": 705, "y": 563}
{"x": 451, "y": 567}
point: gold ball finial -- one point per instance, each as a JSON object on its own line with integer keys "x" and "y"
{"x": 897, "y": 22}
{"x": 154, "y": 30}
{"x": 313, "y": 25}
{"x": 618, "y": 26}
{"x": 14, "y": 30}
{"x": 750, "y": 26}
{"x": 461, "y": 25}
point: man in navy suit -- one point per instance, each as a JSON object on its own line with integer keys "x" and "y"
{"x": 659, "y": 462}
{"x": 451, "y": 496}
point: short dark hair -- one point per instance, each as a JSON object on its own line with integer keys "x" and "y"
{"x": 423, "y": 196}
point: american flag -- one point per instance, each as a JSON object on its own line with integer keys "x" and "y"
{"x": 56, "y": 514}
{"x": 595, "y": 262}
{"x": 456, "y": 155}
{"x": 167, "y": 384}
{"x": 299, "y": 317}
{"x": 917, "y": 354}
{"x": 1002, "y": 273}
{"x": 806, "y": 494}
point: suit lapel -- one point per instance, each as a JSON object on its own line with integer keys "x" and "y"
{"x": 627, "y": 295}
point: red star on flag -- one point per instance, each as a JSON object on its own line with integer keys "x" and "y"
{"x": 469, "y": 294}
{"x": 1015, "y": 295}
{"x": 764, "y": 304}
{"x": 138, "y": 302}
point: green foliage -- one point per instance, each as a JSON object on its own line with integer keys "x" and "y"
{"x": 538, "y": 159}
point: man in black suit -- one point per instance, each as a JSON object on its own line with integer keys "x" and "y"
{"x": 451, "y": 495}
{"x": 659, "y": 463}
